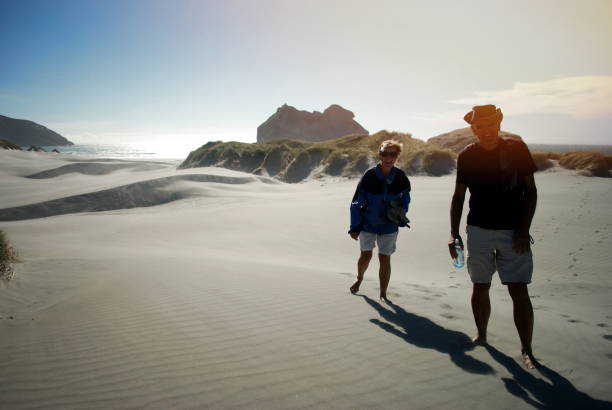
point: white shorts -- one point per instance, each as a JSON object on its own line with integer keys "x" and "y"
{"x": 386, "y": 242}
{"x": 490, "y": 250}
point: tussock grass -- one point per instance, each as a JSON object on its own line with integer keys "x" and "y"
{"x": 6, "y": 144}
{"x": 594, "y": 163}
{"x": 543, "y": 161}
{"x": 8, "y": 257}
{"x": 438, "y": 162}
{"x": 293, "y": 161}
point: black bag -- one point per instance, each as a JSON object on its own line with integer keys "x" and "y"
{"x": 396, "y": 214}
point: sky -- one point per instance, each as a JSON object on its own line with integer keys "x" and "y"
{"x": 186, "y": 72}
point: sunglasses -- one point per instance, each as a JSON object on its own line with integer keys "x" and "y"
{"x": 389, "y": 154}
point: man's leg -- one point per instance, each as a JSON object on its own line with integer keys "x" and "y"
{"x": 384, "y": 275}
{"x": 362, "y": 265}
{"x": 481, "y": 307}
{"x": 523, "y": 319}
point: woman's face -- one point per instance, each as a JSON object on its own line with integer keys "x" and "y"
{"x": 388, "y": 157}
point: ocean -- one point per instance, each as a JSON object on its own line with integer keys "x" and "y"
{"x": 153, "y": 151}
{"x": 140, "y": 151}
{"x": 604, "y": 149}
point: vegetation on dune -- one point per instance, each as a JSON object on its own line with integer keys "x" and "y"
{"x": 8, "y": 257}
{"x": 594, "y": 163}
{"x": 293, "y": 161}
{"x": 543, "y": 161}
{"x": 6, "y": 144}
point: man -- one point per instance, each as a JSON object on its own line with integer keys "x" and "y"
{"x": 378, "y": 187}
{"x": 503, "y": 196}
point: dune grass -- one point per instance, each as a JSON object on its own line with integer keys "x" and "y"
{"x": 543, "y": 161}
{"x": 8, "y": 257}
{"x": 6, "y": 144}
{"x": 594, "y": 163}
{"x": 293, "y": 161}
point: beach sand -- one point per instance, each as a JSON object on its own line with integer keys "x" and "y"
{"x": 146, "y": 287}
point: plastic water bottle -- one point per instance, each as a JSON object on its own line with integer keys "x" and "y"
{"x": 459, "y": 261}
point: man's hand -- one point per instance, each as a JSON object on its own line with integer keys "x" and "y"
{"x": 521, "y": 242}
{"x": 354, "y": 235}
{"x": 451, "y": 246}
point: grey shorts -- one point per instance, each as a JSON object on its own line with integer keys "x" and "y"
{"x": 490, "y": 250}
{"x": 386, "y": 242}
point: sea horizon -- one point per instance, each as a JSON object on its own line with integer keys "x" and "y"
{"x": 161, "y": 151}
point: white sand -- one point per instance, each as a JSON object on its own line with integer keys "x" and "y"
{"x": 236, "y": 296}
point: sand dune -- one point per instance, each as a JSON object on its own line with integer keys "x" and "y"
{"x": 94, "y": 168}
{"x": 236, "y": 296}
{"x": 141, "y": 194}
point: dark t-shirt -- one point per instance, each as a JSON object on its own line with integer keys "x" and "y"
{"x": 496, "y": 180}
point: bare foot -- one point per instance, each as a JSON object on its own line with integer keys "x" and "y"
{"x": 383, "y": 298}
{"x": 355, "y": 288}
{"x": 529, "y": 361}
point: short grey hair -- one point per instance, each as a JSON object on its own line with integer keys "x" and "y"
{"x": 391, "y": 143}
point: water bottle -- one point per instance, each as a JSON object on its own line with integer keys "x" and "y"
{"x": 459, "y": 261}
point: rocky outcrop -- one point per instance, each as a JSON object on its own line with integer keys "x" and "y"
{"x": 9, "y": 145}
{"x": 36, "y": 148}
{"x": 288, "y": 122}
{"x": 460, "y": 138}
{"x": 26, "y": 133}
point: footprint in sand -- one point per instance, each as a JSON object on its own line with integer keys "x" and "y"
{"x": 447, "y": 315}
{"x": 602, "y": 325}
{"x": 574, "y": 321}
{"x": 570, "y": 266}
{"x": 607, "y": 337}
{"x": 609, "y": 355}
{"x": 565, "y": 316}
{"x": 345, "y": 274}
{"x": 446, "y": 306}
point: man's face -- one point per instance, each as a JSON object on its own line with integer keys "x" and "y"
{"x": 388, "y": 157}
{"x": 487, "y": 131}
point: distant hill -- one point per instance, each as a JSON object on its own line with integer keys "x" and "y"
{"x": 294, "y": 161}
{"x": 288, "y": 122}
{"x": 458, "y": 139}
{"x": 26, "y": 133}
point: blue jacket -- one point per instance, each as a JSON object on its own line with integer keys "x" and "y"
{"x": 372, "y": 196}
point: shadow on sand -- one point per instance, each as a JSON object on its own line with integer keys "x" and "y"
{"x": 550, "y": 391}
{"x": 426, "y": 334}
{"x": 554, "y": 393}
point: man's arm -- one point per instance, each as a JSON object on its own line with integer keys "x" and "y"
{"x": 521, "y": 242}
{"x": 455, "y": 215}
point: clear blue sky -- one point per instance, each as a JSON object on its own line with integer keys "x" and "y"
{"x": 192, "y": 71}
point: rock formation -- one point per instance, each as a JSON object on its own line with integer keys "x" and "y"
{"x": 460, "y": 138}
{"x": 288, "y": 122}
{"x": 25, "y": 133}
